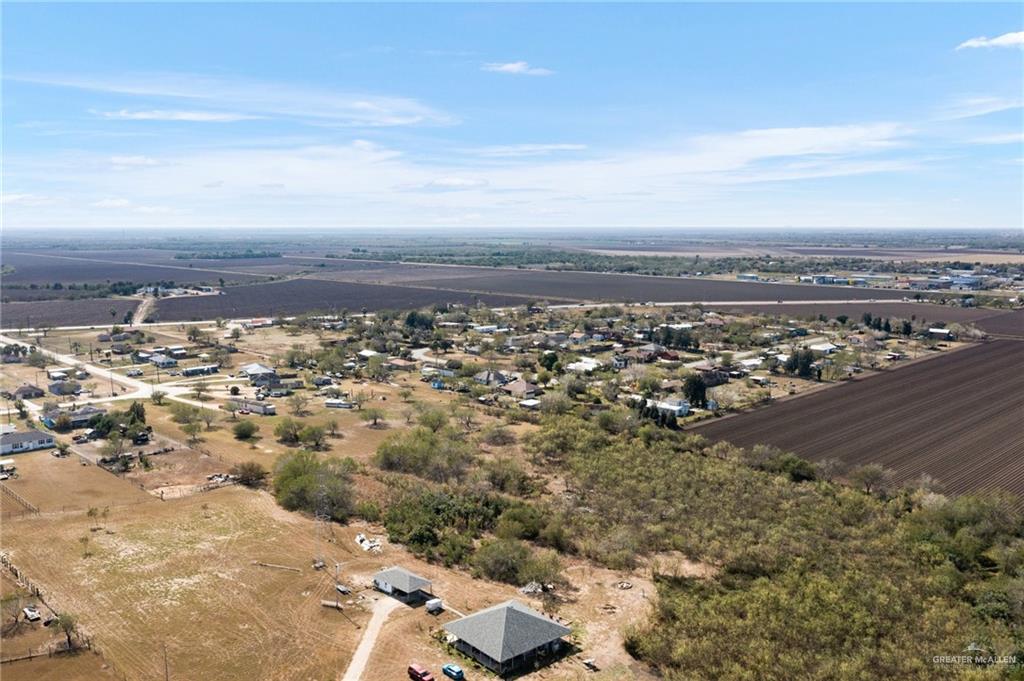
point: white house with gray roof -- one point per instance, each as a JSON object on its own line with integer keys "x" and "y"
{"x": 400, "y": 583}
{"x": 507, "y": 637}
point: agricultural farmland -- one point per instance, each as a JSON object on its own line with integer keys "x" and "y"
{"x": 305, "y": 295}
{"x": 623, "y": 287}
{"x": 923, "y": 312}
{"x": 67, "y": 312}
{"x": 956, "y": 417}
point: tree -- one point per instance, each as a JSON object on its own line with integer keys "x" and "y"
{"x": 298, "y": 403}
{"x": 287, "y": 431}
{"x": 302, "y": 482}
{"x": 312, "y": 436}
{"x": 245, "y": 430}
{"x": 158, "y": 397}
{"x": 695, "y": 388}
{"x": 200, "y": 388}
{"x": 68, "y": 624}
{"x": 36, "y": 359}
{"x": 250, "y": 473}
{"x": 192, "y": 430}
{"x": 405, "y": 394}
{"x": 137, "y": 412}
{"x": 63, "y": 448}
{"x": 359, "y": 398}
{"x": 433, "y": 418}
{"x": 232, "y": 408}
{"x": 872, "y": 477}
{"x": 208, "y": 416}
{"x": 195, "y": 334}
{"x": 84, "y": 541}
{"x": 372, "y": 414}
{"x": 20, "y": 405}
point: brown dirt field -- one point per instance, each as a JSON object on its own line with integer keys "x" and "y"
{"x": 955, "y": 417}
{"x": 54, "y": 484}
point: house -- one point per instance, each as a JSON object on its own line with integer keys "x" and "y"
{"x": 256, "y": 371}
{"x": 366, "y": 354}
{"x": 406, "y": 586}
{"x": 675, "y": 406}
{"x": 507, "y": 637}
{"x": 712, "y": 374}
{"x": 163, "y": 361}
{"x": 201, "y": 370}
{"x": 532, "y": 404}
{"x": 747, "y": 276}
{"x": 399, "y": 364}
{"x": 121, "y": 348}
{"x": 824, "y": 348}
{"x": 491, "y": 378}
{"x": 622, "y": 361}
{"x": 255, "y": 406}
{"x": 25, "y": 441}
{"x": 944, "y": 334}
{"x": 61, "y": 388}
{"x": 79, "y": 418}
{"x": 177, "y": 351}
{"x": 28, "y": 392}
{"x": 584, "y": 365}
{"x": 521, "y": 389}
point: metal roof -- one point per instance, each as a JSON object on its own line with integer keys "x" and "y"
{"x": 506, "y": 630}
{"x": 24, "y": 436}
{"x": 402, "y": 579}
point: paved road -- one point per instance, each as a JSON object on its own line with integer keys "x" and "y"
{"x": 140, "y": 390}
{"x": 381, "y": 609}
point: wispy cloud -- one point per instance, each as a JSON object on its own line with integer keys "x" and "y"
{"x": 1005, "y": 138}
{"x": 519, "y": 68}
{"x": 239, "y": 99}
{"x": 972, "y": 107}
{"x": 452, "y": 184}
{"x": 111, "y": 203}
{"x": 133, "y": 161}
{"x": 188, "y": 116}
{"x": 520, "y": 150}
{"x": 25, "y": 200}
{"x": 1015, "y": 39}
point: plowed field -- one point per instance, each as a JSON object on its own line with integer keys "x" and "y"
{"x": 958, "y": 417}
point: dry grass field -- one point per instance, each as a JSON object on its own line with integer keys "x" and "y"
{"x": 54, "y": 484}
{"x": 183, "y": 573}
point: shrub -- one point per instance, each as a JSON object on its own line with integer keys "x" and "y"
{"x": 245, "y": 430}
{"x": 250, "y": 473}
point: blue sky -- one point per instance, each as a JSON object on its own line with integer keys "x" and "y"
{"x": 462, "y": 115}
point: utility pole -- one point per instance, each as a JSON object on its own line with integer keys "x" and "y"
{"x": 167, "y": 669}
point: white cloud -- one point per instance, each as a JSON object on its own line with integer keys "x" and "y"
{"x": 1005, "y": 40}
{"x": 133, "y": 161}
{"x": 520, "y": 150}
{"x": 972, "y": 107}
{"x": 25, "y": 200}
{"x": 520, "y": 68}
{"x": 187, "y": 116}
{"x": 112, "y": 203}
{"x": 245, "y": 98}
{"x": 1005, "y": 138}
{"x": 454, "y": 184}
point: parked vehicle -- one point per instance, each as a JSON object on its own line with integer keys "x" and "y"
{"x": 32, "y": 613}
{"x": 453, "y": 671}
{"x": 419, "y": 673}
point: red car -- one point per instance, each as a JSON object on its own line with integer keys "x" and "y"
{"x": 418, "y": 673}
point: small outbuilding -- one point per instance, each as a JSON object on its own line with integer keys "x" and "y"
{"x": 508, "y": 637}
{"x": 402, "y": 584}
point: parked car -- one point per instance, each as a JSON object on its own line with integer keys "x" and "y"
{"x": 32, "y": 613}
{"x": 134, "y": 372}
{"x": 418, "y": 673}
{"x": 453, "y": 671}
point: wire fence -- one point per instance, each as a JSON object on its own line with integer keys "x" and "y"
{"x": 29, "y": 506}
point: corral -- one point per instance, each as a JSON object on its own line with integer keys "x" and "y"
{"x": 955, "y": 417}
